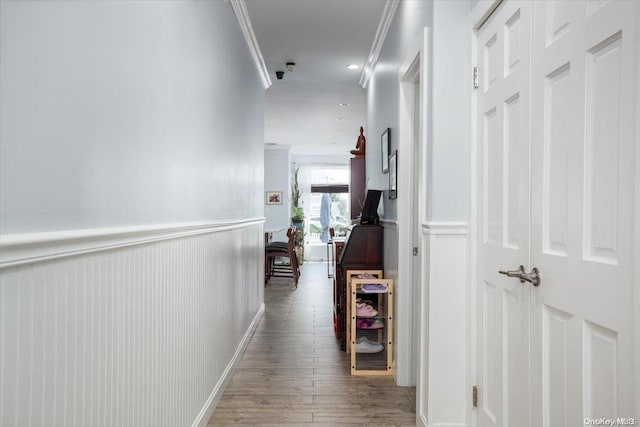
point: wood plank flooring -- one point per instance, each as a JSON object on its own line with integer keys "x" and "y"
{"x": 293, "y": 372}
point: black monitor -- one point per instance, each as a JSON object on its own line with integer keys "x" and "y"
{"x": 370, "y": 209}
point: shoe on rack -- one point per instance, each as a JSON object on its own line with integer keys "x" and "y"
{"x": 374, "y": 288}
{"x": 363, "y": 345}
{"x": 369, "y": 323}
{"x": 365, "y": 309}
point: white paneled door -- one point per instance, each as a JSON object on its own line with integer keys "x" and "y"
{"x": 582, "y": 197}
{"x": 503, "y": 209}
{"x": 556, "y": 157}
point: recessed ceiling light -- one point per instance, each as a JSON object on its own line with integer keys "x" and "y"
{"x": 344, "y": 104}
{"x": 340, "y": 119}
{"x": 353, "y": 66}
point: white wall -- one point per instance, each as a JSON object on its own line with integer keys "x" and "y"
{"x": 277, "y": 165}
{"x": 123, "y": 113}
{"x": 442, "y": 377}
{"x": 382, "y": 92}
{"x": 131, "y": 210}
{"x": 448, "y": 191}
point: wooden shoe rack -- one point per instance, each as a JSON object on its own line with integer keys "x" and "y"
{"x": 353, "y": 274}
{"x": 379, "y": 363}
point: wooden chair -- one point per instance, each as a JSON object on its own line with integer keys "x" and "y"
{"x": 282, "y": 251}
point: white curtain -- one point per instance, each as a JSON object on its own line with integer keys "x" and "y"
{"x": 304, "y": 179}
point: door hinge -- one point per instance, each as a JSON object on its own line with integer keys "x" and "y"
{"x": 475, "y": 78}
{"x": 415, "y": 251}
{"x": 475, "y": 396}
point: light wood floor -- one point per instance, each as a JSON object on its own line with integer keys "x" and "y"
{"x": 293, "y": 372}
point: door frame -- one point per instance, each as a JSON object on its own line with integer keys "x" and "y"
{"x": 409, "y": 355}
{"x": 636, "y": 237}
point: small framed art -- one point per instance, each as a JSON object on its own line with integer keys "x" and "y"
{"x": 393, "y": 175}
{"x": 274, "y": 198}
{"x": 385, "y": 143}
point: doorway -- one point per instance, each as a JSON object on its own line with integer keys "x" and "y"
{"x": 411, "y": 324}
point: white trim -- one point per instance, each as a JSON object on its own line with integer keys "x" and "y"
{"x": 636, "y": 238}
{"x": 391, "y": 223}
{"x": 482, "y": 11}
{"x": 19, "y": 249}
{"x": 214, "y": 398}
{"x": 447, "y": 425}
{"x": 388, "y": 13}
{"x": 277, "y": 147}
{"x": 240, "y": 9}
{"x": 445, "y": 228}
{"x": 413, "y": 67}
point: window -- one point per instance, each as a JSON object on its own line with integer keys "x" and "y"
{"x": 332, "y": 180}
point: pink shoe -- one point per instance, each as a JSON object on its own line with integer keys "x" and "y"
{"x": 365, "y": 310}
{"x": 369, "y": 323}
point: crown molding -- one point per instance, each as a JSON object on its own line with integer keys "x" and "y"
{"x": 388, "y": 13}
{"x": 240, "y": 9}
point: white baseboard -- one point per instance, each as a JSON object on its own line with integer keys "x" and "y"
{"x": 421, "y": 420}
{"x": 447, "y": 425}
{"x": 212, "y": 402}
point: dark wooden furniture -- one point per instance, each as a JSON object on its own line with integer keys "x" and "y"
{"x": 282, "y": 251}
{"x": 357, "y": 190}
{"x": 362, "y": 250}
{"x": 357, "y": 183}
{"x": 337, "y": 245}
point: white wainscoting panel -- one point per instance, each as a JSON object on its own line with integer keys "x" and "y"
{"x": 443, "y": 397}
{"x": 390, "y": 239}
{"x": 138, "y": 335}
{"x": 390, "y": 236}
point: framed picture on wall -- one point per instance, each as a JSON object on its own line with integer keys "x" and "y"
{"x": 274, "y": 198}
{"x": 385, "y": 143}
{"x": 393, "y": 175}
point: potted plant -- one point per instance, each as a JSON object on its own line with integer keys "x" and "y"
{"x": 297, "y": 217}
{"x": 297, "y": 213}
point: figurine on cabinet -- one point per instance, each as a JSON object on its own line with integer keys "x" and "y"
{"x": 360, "y": 145}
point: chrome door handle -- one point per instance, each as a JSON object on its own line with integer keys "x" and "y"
{"x": 521, "y": 273}
{"x": 515, "y": 273}
{"x": 533, "y": 277}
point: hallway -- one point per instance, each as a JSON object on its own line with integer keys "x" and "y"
{"x": 294, "y": 373}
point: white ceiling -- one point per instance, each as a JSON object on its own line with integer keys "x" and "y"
{"x": 322, "y": 37}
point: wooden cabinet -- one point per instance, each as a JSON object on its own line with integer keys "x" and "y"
{"x": 362, "y": 251}
{"x": 337, "y": 247}
{"x": 357, "y": 185}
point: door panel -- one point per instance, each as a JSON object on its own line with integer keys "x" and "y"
{"x": 503, "y": 137}
{"x": 582, "y": 175}
{"x": 556, "y": 191}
